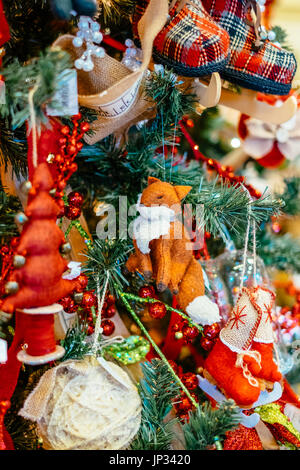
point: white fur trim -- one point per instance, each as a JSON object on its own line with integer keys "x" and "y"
{"x": 204, "y": 311}
{"x": 293, "y": 413}
{"x": 74, "y": 270}
{"x": 153, "y": 223}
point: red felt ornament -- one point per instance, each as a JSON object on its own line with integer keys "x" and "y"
{"x": 108, "y": 327}
{"x": 157, "y": 310}
{"x": 40, "y": 243}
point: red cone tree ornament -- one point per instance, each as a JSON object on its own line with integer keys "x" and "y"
{"x": 38, "y": 283}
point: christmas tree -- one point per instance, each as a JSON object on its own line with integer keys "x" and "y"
{"x": 181, "y": 295}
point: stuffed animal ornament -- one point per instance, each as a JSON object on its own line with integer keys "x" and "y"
{"x": 163, "y": 250}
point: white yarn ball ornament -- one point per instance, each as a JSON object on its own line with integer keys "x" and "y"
{"x": 79, "y": 405}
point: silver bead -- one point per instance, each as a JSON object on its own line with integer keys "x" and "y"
{"x": 65, "y": 248}
{"x": 11, "y": 287}
{"x": 19, "y": 261}
{"x": 21, "y": 218}
{"x": 77, "y": 42}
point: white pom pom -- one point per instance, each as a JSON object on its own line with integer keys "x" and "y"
{"x": 203, "y": 311}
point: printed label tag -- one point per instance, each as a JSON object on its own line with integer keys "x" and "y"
{"x": 3, "y": 350}
{"x": 65, "y": 100}
{"x": 2, "y": 92}
{"x": 122, "y": 104}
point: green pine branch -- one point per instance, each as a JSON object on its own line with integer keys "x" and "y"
{"x": 157, "y": 389}
{"x": 107, "y": 257}
{"x": 280, "y": 251}
{"x": 9, "y": 206}
{"x": 42, "y": 73}
{"x": 291, "y": 196}
{"x": 206, "y": 424}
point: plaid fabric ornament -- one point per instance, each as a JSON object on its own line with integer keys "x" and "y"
{"x": 190, "y": 43}
{"x": 255, "y": 62}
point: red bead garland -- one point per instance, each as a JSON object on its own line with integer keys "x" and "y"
{"x": 69, "y": 146}
{"x": 223, "y": 171}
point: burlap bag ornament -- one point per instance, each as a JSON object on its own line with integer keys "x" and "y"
{"x": 79, "y": 405}
{"x": 114, "y": 91}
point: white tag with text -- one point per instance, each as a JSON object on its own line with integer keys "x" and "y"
{"x": 65, "y": 100}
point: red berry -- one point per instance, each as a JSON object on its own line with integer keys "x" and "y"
{"x": 81, "y": 283}
{"x": 65, "y": 130}
{"x": 68, "y": 304}
{"x": 190, "y": 332}
{"x": 108, "y": 327}
{"x": 110, "y": 299}
{"x": 75, "y": 199}
{"x": 88, "y": 300}
{"x": 206, "y": 343}
{"x": 147, "y": 291}
{"x": 190, "y": 380}
{"x": 72, "y": 212}
{"x": 211, "y": 331}
{"x": 84, "y": 126}
{"x": 109, "y": 312}
{"x": 90, "y": 330}
{"x": 157, "y": 310}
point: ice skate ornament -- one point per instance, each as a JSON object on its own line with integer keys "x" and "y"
{"x": 163, "y": 249}
{"x": 249, "y": 421}
{"x": 241, "y": 362}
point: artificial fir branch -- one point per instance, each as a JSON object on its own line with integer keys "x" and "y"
{"x": 13, "y": 148}
{"x": 74, "y": 343}
{"x": 206, "y": 424}
{"x": 157, "y": 389}
{"x": 228, "y": 206}
{"x": 280, "y": 251}
{"x": 291, "y": 196}
{"x": 43, "y": 73}
{"x": 9, "y": 206}
{"x": 115, "y": 10}
{"x": 107, "y": 256}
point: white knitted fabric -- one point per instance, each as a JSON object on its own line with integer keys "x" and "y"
{"x": 151, "y": 224}
{"x": 82, "y": 405}
{"x": 239, "y": 331}
{"x": 265, "y": 300}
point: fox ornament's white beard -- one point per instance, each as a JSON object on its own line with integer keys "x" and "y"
{"x": 151, "y": 224}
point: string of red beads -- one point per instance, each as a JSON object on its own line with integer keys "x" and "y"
{"x": 223, "y": 171}
{"x": 70, "y": 145}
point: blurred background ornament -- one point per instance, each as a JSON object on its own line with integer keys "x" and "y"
{"x": 88, "y": 32}
{"x": 230, "y": 265}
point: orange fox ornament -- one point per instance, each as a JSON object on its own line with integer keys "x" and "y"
{"x": 163, "y": 250}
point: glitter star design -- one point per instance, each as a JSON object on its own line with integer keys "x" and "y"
{"x": 237, "y": 317}
{"x": 268, "y": 310}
